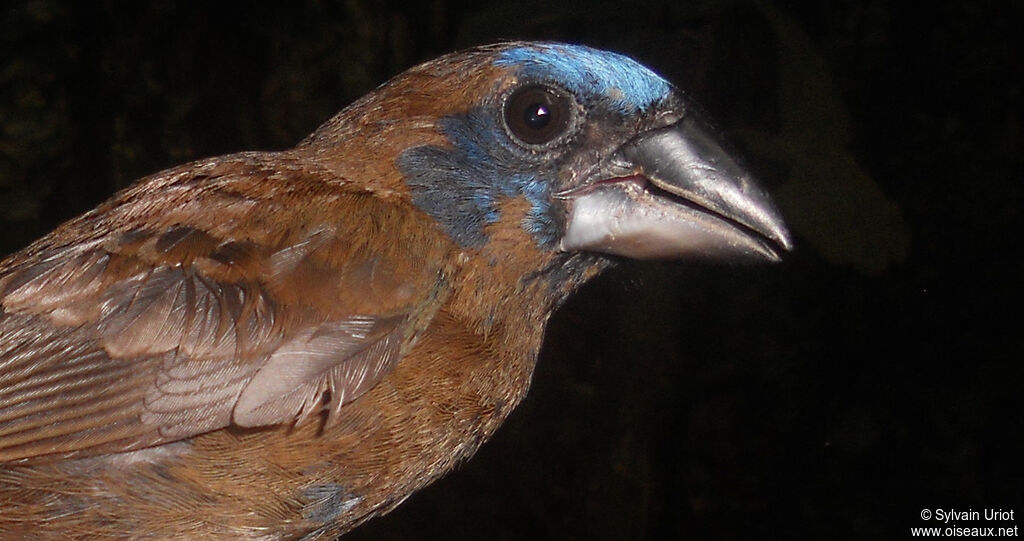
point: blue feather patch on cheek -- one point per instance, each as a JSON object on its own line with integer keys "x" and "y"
{"x": 461, "y": 186}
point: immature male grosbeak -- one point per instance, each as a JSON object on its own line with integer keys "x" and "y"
{"x": 282, "y": 345}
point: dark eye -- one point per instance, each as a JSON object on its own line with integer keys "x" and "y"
{"x": 538, "y": 114}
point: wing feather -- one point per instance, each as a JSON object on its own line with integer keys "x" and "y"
{"x": 119, "y": 331}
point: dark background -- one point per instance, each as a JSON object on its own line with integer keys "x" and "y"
{"x": 874, "y": 373}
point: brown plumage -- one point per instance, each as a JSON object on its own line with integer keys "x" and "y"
{"x": 271, "y": 345}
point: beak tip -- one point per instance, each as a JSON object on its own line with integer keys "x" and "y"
{"x": 782, "y": 237}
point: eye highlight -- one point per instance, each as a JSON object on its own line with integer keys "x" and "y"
{"x": 537, "y": 114}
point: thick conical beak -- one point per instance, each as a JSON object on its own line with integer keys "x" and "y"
{"x": 674, "y": 192}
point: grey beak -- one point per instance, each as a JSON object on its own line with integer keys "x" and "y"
{"x": 675, "y": 193}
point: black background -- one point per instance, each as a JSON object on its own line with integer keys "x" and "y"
{"x": 873, "y": 374}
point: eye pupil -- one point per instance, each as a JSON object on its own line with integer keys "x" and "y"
{"x": 538, "y": 114}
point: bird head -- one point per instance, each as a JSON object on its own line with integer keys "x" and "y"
{"x": 602, "y": 154}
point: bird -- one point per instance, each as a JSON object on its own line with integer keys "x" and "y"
{"x": 284, "y": 345}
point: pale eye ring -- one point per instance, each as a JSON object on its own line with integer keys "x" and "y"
{"x": 538, "y": 114}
